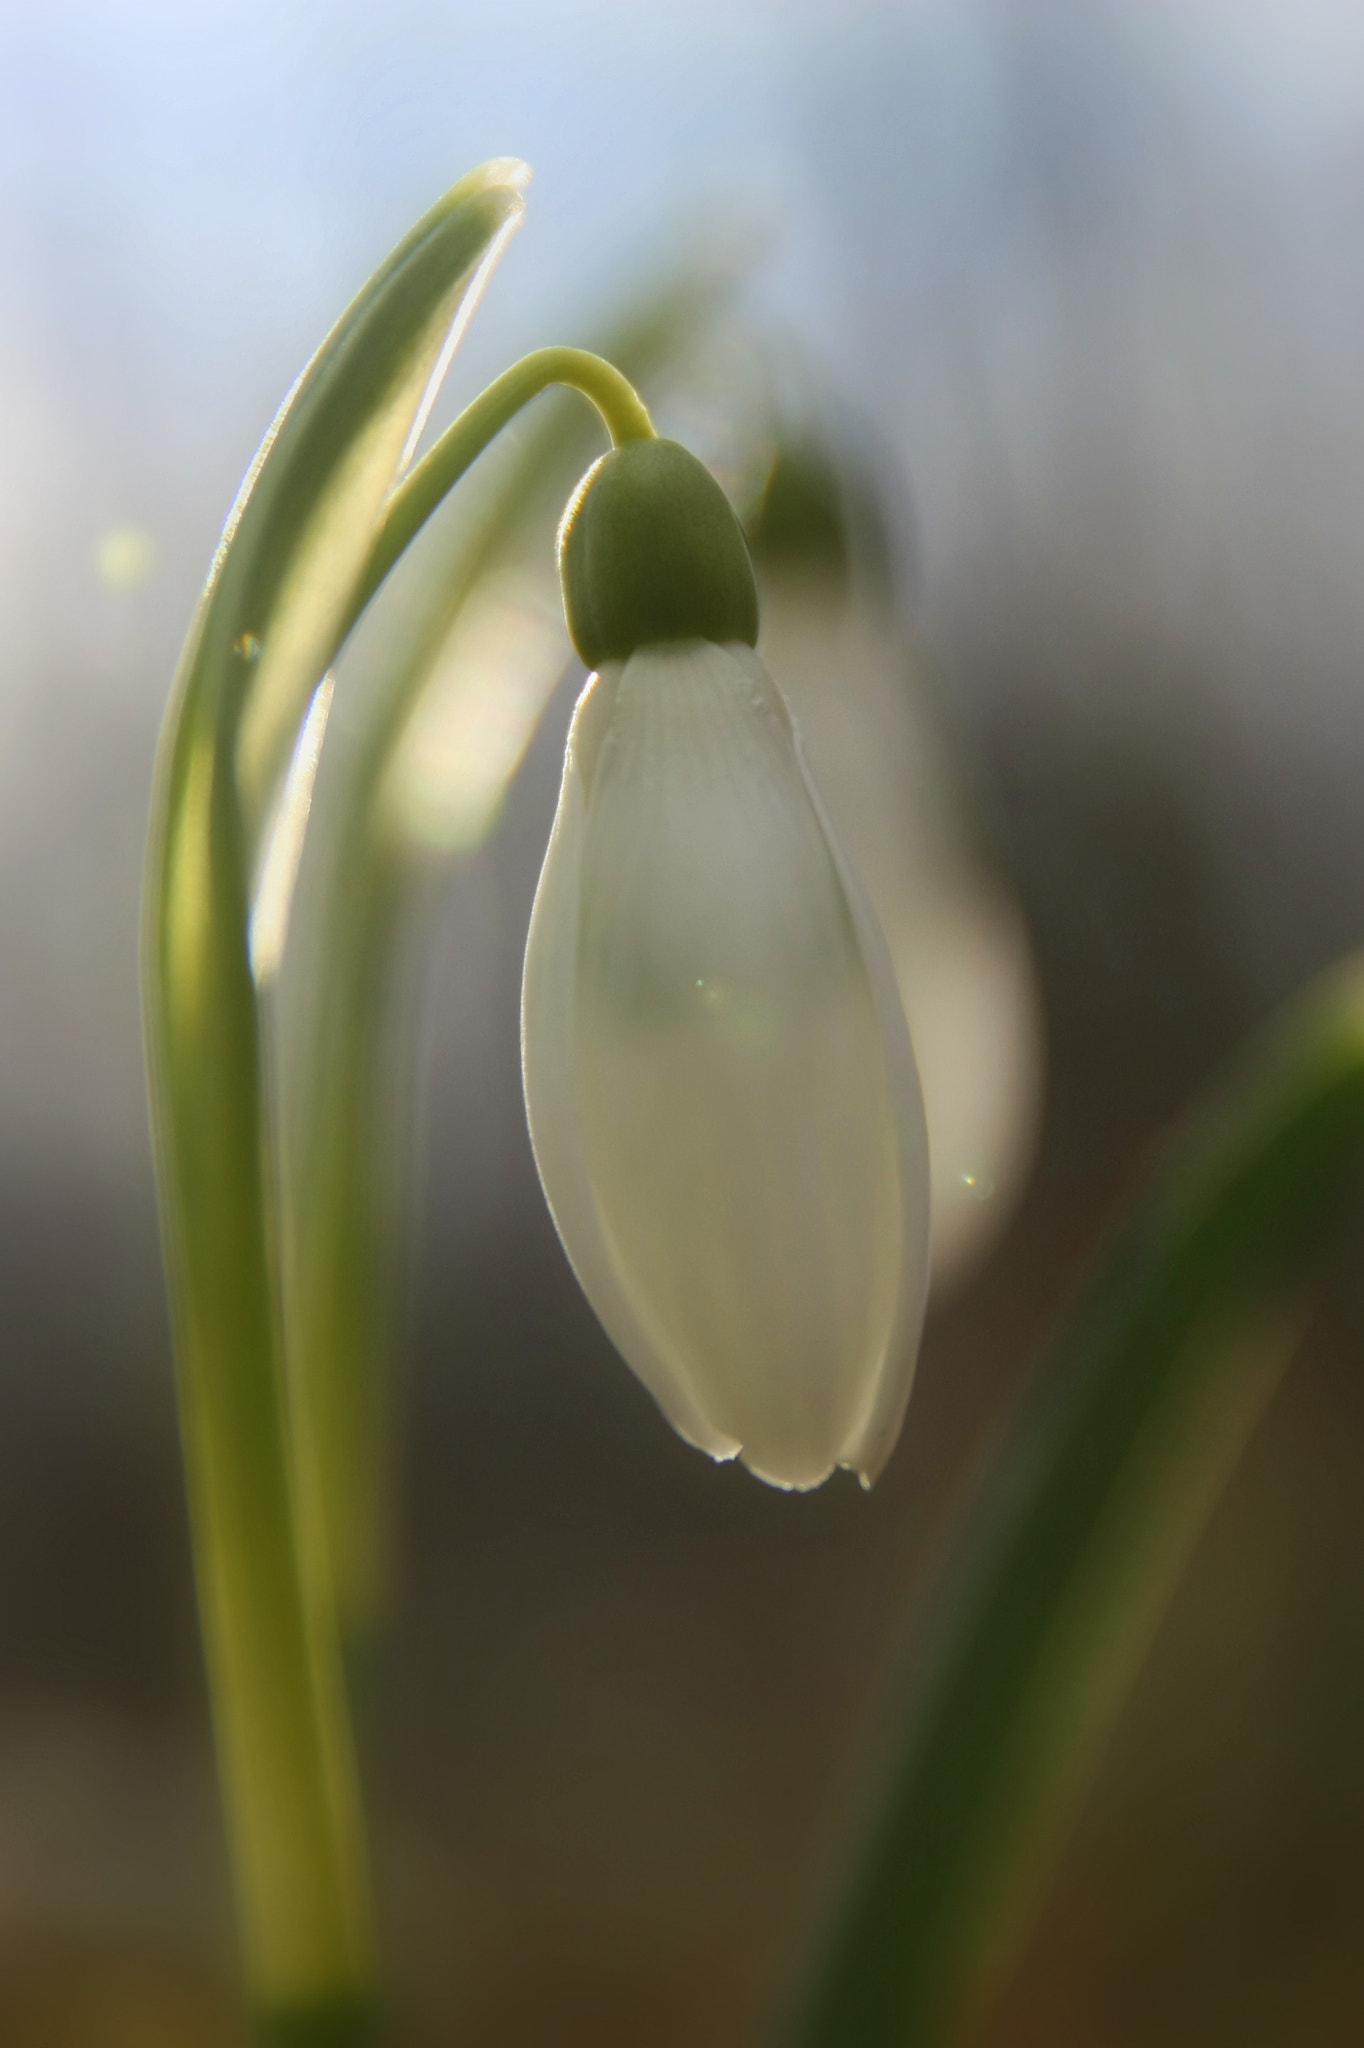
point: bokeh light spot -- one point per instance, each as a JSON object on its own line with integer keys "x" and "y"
{"x": 125, "y": 557}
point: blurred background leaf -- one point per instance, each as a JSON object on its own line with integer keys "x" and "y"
{"x": 1083, "y": 1524}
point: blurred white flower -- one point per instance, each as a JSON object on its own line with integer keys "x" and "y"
{"x": 835, "y": 637}
{"x": 722, "y": 1097}
{"x": 957, "y": 938}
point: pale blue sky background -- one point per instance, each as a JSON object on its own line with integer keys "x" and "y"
{"x": 1092, "y": 273}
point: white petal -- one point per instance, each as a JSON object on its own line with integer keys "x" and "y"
{"x": 547, "y": 1051}
{"x": 721, "y": 1092}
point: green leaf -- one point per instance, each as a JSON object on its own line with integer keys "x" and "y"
{"x": 280, "y": 594}
{"x": 1081, "y": 1528}
{"x": 297, "y": 543}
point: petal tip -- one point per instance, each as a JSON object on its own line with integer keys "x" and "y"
{"x": 804, "y": 1483}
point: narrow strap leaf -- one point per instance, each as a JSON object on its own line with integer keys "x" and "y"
{"x": 278, "y": 597}
{"x": 1082, "y": 1526}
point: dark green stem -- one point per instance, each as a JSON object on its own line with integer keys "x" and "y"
{"x": 1081, "y": 1530}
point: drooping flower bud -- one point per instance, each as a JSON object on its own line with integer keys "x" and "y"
{"x": 720, "y": 1087}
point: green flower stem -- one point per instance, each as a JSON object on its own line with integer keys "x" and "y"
{"x": 1082, "y": 1528}
{"x": 347, "y": 1204}
{"x": 424, "y": 487}
{"x": 289, "y": 1792}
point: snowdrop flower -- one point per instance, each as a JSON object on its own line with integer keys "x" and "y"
{"x": 721, "y": 1093}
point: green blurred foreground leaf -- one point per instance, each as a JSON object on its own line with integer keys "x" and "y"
{"x": 1082, "y": 1527}
{"x": 281, "y": 595}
